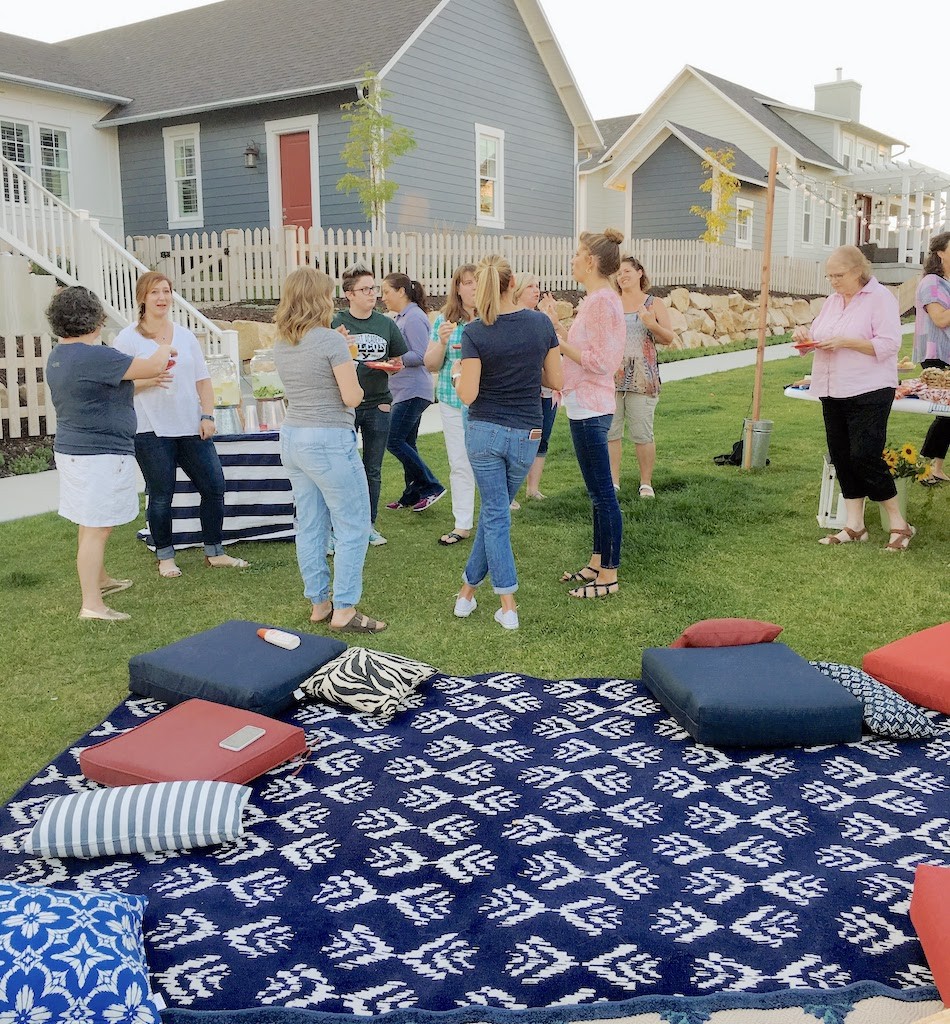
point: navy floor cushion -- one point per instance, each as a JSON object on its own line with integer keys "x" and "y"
{"x": 758, "y": 695}
{"x": 231, "y": 664}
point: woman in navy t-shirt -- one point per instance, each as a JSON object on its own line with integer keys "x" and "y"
{"x": 507, "y": 355}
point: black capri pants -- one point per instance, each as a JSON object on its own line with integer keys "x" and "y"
{"x": 937, "y": 441}
{"x": 856, "y": 429}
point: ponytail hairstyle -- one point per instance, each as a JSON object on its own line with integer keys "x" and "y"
{"x": 637, "y": 265}
{"x": 306, "y": 301}
{"x": 493, "y": 278}
{"x": 605, "y": 248}
{"x": 142, "y": 287}
{"x": 453, "y": 309}
{"x": 413, "y": 289}
{"x": 937, "y": 245}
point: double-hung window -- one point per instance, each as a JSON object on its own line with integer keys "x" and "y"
{"x": 54, "y": 162}
{"x": 808, "y": 216}
{"x": 15, "y": 147}
{"x": 744, "y": 214}
{"x": 183, "y": 176}
{"x": 39, "y": 151}
{"x": 490, "y": 176}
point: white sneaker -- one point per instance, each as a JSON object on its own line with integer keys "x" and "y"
{"x": 376, "y": 538}
{"x": 464, "y": 607}
{"x": 507, "y": 619}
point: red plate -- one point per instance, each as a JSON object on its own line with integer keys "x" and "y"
{"x": 380, "y": 365}
{"x": 804, "y": 346}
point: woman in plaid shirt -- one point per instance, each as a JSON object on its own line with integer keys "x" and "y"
{"x": 445, "y": 349}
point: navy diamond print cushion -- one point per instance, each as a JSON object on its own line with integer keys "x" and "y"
{"x": 887, "y": 713}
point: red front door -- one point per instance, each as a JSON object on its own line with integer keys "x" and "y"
{"x": 295, "y": 179}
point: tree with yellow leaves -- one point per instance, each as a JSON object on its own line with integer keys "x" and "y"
{"x": 721, "y": 185}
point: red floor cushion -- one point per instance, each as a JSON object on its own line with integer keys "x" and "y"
{"x": 930, "y": 915}
{"x": 916, "y": 666}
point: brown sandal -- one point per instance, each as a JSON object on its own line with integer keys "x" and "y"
{"x": 852, "y": 535}
{"x": 579, "y": 577}
{"x": 360, "y": 623}
{"x": 904, "y": 536}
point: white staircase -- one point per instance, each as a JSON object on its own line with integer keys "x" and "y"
{"x": 70, "y": 245}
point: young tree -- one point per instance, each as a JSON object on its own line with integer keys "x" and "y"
{"x": 374, "y": 141}
{"x": 721, "y": 185}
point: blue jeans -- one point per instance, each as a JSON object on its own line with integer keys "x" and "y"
{"x": 373, "y": 424}
{"x": 330, "y": 491}
{"x": 548, "y": 415}
{"x": 500, "y": 458}
{"x": 590, "y": 446}
{"x": 421, "y": 482}
{"x": 158, "y": 459}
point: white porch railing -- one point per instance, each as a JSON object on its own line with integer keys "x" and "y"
{"x": 242, "y": 265}
{"x": 70, "y": 245}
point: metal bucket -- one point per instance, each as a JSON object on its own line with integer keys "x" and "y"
{"x": 761, "y": 436}
{"x": 271, "y": 413}
{"x": 227, "y": 420}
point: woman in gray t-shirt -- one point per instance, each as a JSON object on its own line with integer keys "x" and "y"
{"x": 318, "y": 450}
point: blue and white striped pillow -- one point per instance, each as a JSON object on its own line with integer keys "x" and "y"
{"x": 140, "y": 819}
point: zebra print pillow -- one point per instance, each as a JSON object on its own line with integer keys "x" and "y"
{"x": 366, "y": 680}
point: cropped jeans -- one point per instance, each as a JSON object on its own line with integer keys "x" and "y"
{"x": 330, "y": 491}
{"x": 421, "y": 482}
{"x": 158, "y": 459}
{"x": 590, "y": 446}
{"x": 500, "y": 458}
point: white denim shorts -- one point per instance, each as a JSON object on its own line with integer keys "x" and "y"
{"x": 98, "y": 490}
{"x": 638, "y": 412}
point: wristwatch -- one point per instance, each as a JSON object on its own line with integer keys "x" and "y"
{"x": 207, "y": 416}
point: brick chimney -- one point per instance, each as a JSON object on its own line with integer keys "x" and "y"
{"x": 841, "y": 97}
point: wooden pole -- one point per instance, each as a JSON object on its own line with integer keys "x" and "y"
{"x": 763, "y": 312}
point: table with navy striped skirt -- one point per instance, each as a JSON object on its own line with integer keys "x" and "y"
{"x": 258, "y": 503}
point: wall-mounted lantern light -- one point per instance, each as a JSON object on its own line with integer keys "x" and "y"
{"x": 251, "y": 154}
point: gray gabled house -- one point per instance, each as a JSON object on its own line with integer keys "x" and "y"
{"x": 839, "y": 181}
{"x": 228, "y": 115}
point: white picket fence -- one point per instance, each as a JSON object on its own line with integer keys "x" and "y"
{"x": 240, "y": 265}
{"x": 24, "y": 394}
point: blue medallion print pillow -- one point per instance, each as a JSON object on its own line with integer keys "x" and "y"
{"x": 885, "y": 712}
{"x": 73, "y": 956}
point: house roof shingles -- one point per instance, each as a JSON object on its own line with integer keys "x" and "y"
{"x": 212, "y": 56}
{"x": 31, "y": 61}
{"x": 744, "y": 167}
{"x": 758, "y": 107}
{"x": 611, "y": 128}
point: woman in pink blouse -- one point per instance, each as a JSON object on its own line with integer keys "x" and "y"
{"x": 855, "y": 338}
{"x": 593, "y": 352}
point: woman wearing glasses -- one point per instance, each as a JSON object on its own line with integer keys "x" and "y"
{"x": 377, "y": 339}
{"x": 856, "y": 338}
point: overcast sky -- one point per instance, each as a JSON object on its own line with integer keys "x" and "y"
{"x": 622, "y": 55}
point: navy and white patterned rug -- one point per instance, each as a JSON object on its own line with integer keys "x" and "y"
{"x": 512, "y": 842}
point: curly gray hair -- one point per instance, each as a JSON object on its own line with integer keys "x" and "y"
{"x": 75, "y": 312}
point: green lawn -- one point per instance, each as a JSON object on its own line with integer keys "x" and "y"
{"x": 715, "y": 542}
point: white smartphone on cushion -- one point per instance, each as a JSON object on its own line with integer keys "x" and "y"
{"x": 244, "y": 737}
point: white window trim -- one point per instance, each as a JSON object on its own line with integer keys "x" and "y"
{"x": 171, "y": 136}
{"x": 741, "y": 205}
{"x": 273, "y": 131}
{"x": 481, "y": 219}
{"x": 69, "y": 158}
{"x": 808, "y": 206}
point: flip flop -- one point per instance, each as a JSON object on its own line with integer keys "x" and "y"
{"x": 448, "y": 539}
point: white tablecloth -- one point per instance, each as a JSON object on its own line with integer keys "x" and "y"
{"x": 917, "y": 405}
{"x": 258, "y": 504}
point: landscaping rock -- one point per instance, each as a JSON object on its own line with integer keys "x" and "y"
{"x": 679, "y": 299}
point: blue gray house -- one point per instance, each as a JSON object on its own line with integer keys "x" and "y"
{"x": 231, "y": 115}
{"x": 839, "y": 180}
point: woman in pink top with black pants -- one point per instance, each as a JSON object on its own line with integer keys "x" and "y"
{"x": 856, "y": 337}
{"x": 593, "y": 352}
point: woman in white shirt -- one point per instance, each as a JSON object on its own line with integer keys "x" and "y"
{"x": 175, "y": 427}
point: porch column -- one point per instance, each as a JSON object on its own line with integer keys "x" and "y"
{"x": 902, "y": 220}
{"x": 917, "y": 243}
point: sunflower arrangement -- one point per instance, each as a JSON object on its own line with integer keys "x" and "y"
{"x": 905, "y": 462}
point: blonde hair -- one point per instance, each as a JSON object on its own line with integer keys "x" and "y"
{"x": 493, "y": 278}
{"x": 306, "y": 301}
{"x": 453, "y": 309}
{"x": 856, "y": 260}
{"x": 523, "y": 281}
{"x": 142, "y": 287}
{"x": 605, "y": 248}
